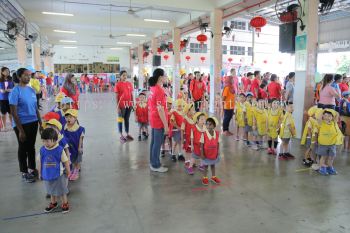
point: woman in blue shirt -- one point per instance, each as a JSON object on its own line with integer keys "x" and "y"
{"x": 6, "y": 86}
{"x": 26, "y": 119}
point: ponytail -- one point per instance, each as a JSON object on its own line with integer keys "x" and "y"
{"x": 157, "y": 73}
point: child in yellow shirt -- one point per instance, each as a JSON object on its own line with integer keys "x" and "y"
{"x": 274, "y": 122}
{"x": 259, "y": 124}
{"x": 287, "y": 132}
{"x": 240, "y": 115}
{"x": 248, "y": 121}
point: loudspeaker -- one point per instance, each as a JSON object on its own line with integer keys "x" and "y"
{"x": 156, "y": 60}
{"x": 288, "y": 32}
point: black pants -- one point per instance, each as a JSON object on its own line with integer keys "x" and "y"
{"x": 228, "y": 114}
{"x": 38, "y": 97}
{"x": 125, "y": 113}
{"x": 197, "y": 105}
{"x": 323, "y": 106}
{"x": 26, "y": 149}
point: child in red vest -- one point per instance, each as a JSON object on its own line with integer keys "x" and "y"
{"x": 176, "y": 119}
{"x": 210, "y": 150}
{"x": 141, "y": 116}
{"x": 186, "y": 128}
{"x": 197, "y": 136}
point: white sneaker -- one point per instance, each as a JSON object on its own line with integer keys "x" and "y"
{"x": 315, "y": 167}
{"x": 160, "y": 169}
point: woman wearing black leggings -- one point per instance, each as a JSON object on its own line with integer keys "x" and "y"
{"x": 27, "y": 119}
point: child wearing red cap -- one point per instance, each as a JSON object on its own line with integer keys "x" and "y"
{"x": 141, "y": 116}
{"x": 210, "y": 150}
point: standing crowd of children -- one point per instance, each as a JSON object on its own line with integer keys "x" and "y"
{"x": 60, "y": 157}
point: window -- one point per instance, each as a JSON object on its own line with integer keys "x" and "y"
{"x": 225, "y": 24}
{"x": 250, "y": 51}
{"x": 240, "y": 25}
{"x": 237, "y": 50}
{"x": 224, "y": 49}
{"x": 198, "y": 48}
{"x": 250, "y": 28}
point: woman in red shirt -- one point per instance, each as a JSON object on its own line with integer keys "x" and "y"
{"x": 157, "y": 118}
{"x": 274, "y": 89}
{"x": 123, "y": 91}
{"x": 70, "y": 89}
{"x": 197, "y": 89}
{"x": 262, "y": 92}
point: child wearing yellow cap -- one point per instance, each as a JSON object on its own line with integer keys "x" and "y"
{"x": 328, "y": 137}
{"x": 274, "y": 116}
{"x": 240, "y": 115}
{"x": 176, "y": 119}
{"x": 210, "y": 151}
{"x": 186, "y": 128}
{"x": 259, "y": 124}
{"x": 248, "y": 121}
{"x": 58, "y": 100}
{"x": 168, "y": 138}
{"x": 74, "y": 134}
{"x": 308, "y": 138}
{"x": 287, "y": 132}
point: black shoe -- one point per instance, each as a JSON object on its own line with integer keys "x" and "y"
{"x": 139, "y": 138}
{"x": 34, "y": 174}
{"x": 51, "y": 207}
{"x": 27, "y": 178}
{"x": 173, "y": 158}
{"x": 144, "y": 134}
{"x": 162, "y": 153}
{"x": 181, "y": 157}
{"x": 48, "y": 196}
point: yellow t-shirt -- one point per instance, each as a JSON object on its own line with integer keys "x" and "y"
{"x": 327, "y": 134}
{"x": 274, "y": 117}
{"x": 35, "y": 84}
{"x": 311, "y": 125}
{"x": 249, "y": 113}
{"x": 260, "y": 116}
{"x": 288, "y": 121}
{"x": 229, "y": 102}
{"x": 240, "y": 110}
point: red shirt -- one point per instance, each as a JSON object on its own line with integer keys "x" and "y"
{"x": 187, "y": 127}
{"x": 49, "y": 81}
{"x": 141, "y": 113}
{"x": 102, "y": 82}
{"x": 274, "y": 90}
{"x": 95, "y": 80}
{"x": 255, "y": 85}
{"x": 262, "y": 94}
{"x": 178, "y": 118}
{"x": 343, "y": 87}
{"x": 197, "y": 89}
{"x": 155, "y": 99}
{"x": 246, "y": 82}
{"x": 197, "y": 136}
{"x": 86, "y": 80}
{"x": 211, "y": 145}
{"x": 124, "y": 92}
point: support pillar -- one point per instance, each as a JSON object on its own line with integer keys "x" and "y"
{"x": 305, "y": 63}
{"x": 36, "y": 62}
{"x": 176, "y": 64}
{"x": 21, "y": 51}
{"x": 140, "y": 57}
{"x": 48, "y": 66}
{"x": 215, "y": 57}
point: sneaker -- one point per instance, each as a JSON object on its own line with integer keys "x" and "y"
{"x": 332, "y": 171}
{"x": 282, "y": 156}
{"x": 180, "y": 157}
{"x": 123, "y": 139}
{"x": 162, "y": 153}
{"x": 307, "y": 162}
{"x": 65, "y": 208}
{"x": 187, "y": 163}
{"x": 139, "y": 138}
{"x": 173, "y": 158}
{"x": 205, "y": 181}
{"x": 160, "y": 169}
{"x": 323, "y": 171}
{"x": 248, "y": 144}
{"x": 237, "y": 139}
{"x": 215, "y": 180}
{"x": 315, "y": 167}
{"x": 189, "y": 170}
{"x": 289, "y": 156}
{"x": 274, "y": 152}
{"x": 129, "y": 138}
{"x": 75, "y": 175}
{"x": 201, "y": 167}
{"x": 27, "y": 178}
{"x": 269, "y": 151}
{"x": 144, "y": 134}
{"x": 48, "y": 195}
{"x": 51, "y": 207}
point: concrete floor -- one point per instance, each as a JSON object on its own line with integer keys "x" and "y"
{"x": 117, "y": 192}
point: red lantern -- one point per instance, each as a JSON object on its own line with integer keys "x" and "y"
{"x": 188, "y": 58}
{"x": 166, "y": 57}
{"x": 202, "y": 38}
{"x": 159, "y": 50}
{"x": 265, "y": 61}
{"x": 182, "y": 45}
{"x": 258, "y": 22}
{"x": 202, "y": 59}
{"x": 230, "y": 59}
{"x": 145, "y": 54}
{"x": 170, "y": 45}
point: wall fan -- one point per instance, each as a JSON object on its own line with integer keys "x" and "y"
{"x": 13, "y": 28}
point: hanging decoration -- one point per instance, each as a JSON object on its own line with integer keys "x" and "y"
{"x": 159, "y": 50}
{"x": 188, "y": 57}
{"x": 145, "y": 54}
{"x": 202, "y": 59}
{"x": 230, "y": 59}
{"x": 202, "y": 38}
{"x": 166, "y": 57}
{"x": 258, "y": 22}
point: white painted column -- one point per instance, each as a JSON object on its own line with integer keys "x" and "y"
{"x": 21, "y": 51}
{"x": 305, "y": 63}
{"x": 36, "y": 62}
{"x": 215, "y": 56}
{"x": 176, "y": 65}
{"x": 48, "y": 65}
{"x": 140, "y": 57}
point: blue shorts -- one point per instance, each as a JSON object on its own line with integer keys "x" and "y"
{"x": 143, "y": 125}
{"x": 195, "y": 156}
{"x": 176, "y": 136}
{"x": 247, "y": 129}
{"x": 208, "y": 162}
{"x": 327, "y": 150}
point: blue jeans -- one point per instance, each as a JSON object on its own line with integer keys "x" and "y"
{"x": 156, "y": 143}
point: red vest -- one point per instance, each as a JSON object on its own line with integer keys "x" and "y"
{"x": 142, "y": 114}
{"x": 211, "y": 146}
{"x": 196, "y": 140}
{"x": 178, "y": 118}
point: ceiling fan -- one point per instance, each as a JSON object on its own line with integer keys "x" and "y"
{"x": 130, "y": 9}
{"x": 110, "y": 36}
